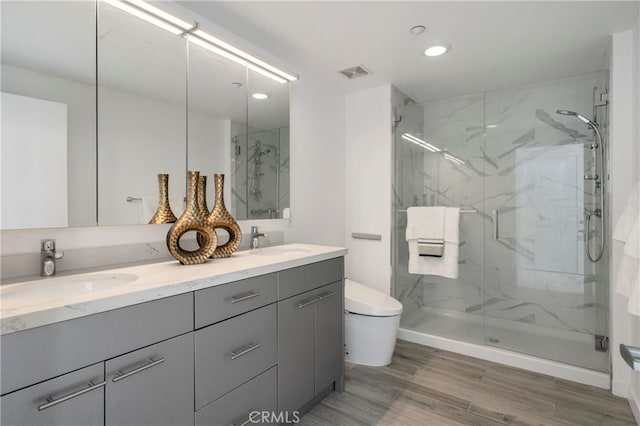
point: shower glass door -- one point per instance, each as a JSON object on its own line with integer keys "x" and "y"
{"x": 524, "y": 282}
{"x": 542, "y": 295}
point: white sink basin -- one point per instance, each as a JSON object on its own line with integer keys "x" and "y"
{"x": 47, "y": 289}
{"x": 282, "y": 251}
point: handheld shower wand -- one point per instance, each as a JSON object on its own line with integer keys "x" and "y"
{"x": 599, "y": 179}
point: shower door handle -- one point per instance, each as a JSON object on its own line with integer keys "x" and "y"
{"x": 494, "y": 218}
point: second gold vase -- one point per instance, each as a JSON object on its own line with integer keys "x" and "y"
{"x": 221, "y": 218}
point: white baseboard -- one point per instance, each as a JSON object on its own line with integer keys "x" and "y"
{"x": 513, "y": 359}
{"x": 620, "y": 389}
{"x": 634, "y": 402}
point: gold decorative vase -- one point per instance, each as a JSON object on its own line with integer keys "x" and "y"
{"x": 202, "y": 196}
{"x": 221, "y": 218}
{"x": 163, "y": 213}
{"x": 192, "y": 220}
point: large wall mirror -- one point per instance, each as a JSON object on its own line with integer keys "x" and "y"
{"x": 154, "y": 104}
{"x": 142, "y": 116}
{"x": 48, "y": 138}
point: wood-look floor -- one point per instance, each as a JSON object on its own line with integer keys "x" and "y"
{"x": 426, "y": 386}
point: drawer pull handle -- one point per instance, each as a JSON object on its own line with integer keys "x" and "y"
{"x": 307, "y": 302}
{"x": 251, "y": 419}
{"x": 244, "y": 296}
{"x": 51, "y": 402}
{"x": 151, "y": 363}
{"x": 244, "y": 350}
{"x": 325, "y": 295}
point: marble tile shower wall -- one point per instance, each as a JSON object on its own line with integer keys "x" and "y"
{"x": 527, "y": 162}
{"x": 260, "y": 174}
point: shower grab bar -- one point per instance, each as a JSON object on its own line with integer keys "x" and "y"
{"x": 494, "y": 218}
{"x": 462, "y": 211}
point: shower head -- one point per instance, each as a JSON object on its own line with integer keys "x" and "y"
{"x": 579, "y": 116}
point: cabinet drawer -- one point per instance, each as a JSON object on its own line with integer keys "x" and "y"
{"x": 218, "y": 303}
{"x": 80, "y": 397}
{"x": 152, "y": 386}
{"x": 35, "y": 355}
{"x": 304, "y": 278}
{"x": 234, "y": 351}
{"x": 252, "y": 398}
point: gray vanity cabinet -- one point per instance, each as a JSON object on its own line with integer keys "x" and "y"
{"x": 329, "y": 346}
{"x": 245, "y": 404}
{"x": 72, "y": 399}
{"x": 151, "y": 386}
{"x": 296, "y": 347}
{"x": 310, "y": 345}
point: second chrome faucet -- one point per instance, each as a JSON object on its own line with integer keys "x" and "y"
{"x": 255, "y": 237}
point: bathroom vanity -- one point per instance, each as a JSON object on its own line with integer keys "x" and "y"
{"x": 219, "y": 343}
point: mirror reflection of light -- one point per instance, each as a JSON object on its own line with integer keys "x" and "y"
{"x": 453, "y": 159}
{"x": 409, "y": 137}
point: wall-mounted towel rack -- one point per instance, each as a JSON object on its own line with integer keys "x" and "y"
{"x": 463, "y": 211}
{"x": 132, "y": 199}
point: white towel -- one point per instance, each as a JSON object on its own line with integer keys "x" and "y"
{"x": 629, "y": 215}
{"x": 425, "y": 222}
{"x": 627, "y": 230}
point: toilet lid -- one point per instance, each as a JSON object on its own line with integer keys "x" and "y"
{"x": 360, "y": 299}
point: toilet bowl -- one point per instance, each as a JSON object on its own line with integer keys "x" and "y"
{"x": 371, "y": 324}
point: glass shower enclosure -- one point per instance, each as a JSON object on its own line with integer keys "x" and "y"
{"x": 521, "y": 173}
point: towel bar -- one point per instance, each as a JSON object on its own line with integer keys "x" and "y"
{"x": 463, "y": 211}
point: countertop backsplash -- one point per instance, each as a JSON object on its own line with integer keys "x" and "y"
{"x": 14, "y": 266}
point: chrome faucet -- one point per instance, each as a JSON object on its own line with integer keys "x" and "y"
{"x": 255, "y": 235}
{"x": 48, "y": 257}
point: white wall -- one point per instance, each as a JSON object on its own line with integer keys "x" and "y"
{"x": 623, "y": 127}
{"x": 317, "y": 164}
{"x": 33, "y": 156}
{"x": 368, "y": 186}
{"x": 81, "y": 133}
{"x": 635, "y": 321}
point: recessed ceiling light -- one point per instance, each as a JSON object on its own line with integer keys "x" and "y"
{"x": 417, "y": 29}
{"x": 437, "y": 50}
{"x": 491, "y": 126}
{"x": 260, "y": 96}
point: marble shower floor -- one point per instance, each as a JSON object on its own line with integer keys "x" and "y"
{"x": 545, "y": 342}
{"x": 424, "y": 386}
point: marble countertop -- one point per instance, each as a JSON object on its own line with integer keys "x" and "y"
{"x": 35, "y": 303}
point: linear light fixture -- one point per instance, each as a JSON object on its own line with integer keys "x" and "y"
{"x": 409, "y": 137}
{"x": 193, "y": 34}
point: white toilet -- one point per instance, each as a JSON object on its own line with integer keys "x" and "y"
{"x": 371, "y": 324}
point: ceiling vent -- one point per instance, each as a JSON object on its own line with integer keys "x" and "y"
{"x": 355, "y": 72}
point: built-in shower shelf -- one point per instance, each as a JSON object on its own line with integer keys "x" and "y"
{"x": 631, "y": 355}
